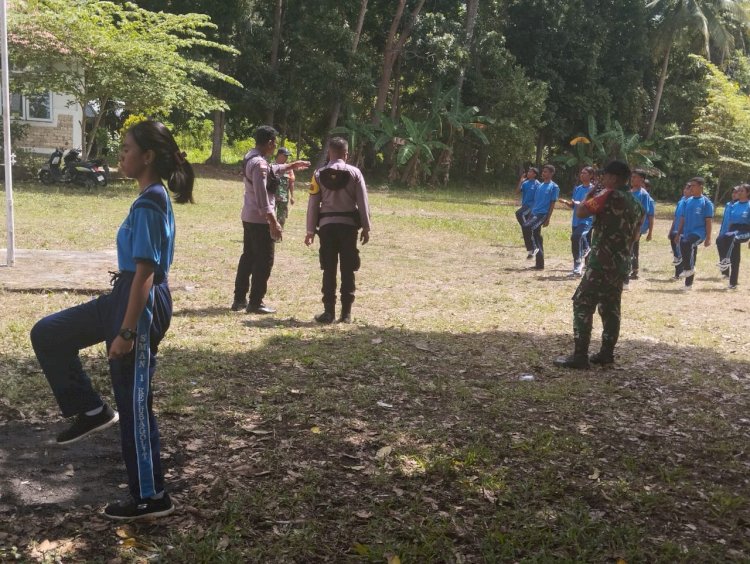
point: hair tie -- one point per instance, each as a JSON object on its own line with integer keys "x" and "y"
{"x": 180, "y": 157}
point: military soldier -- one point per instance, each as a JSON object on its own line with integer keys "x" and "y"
{"x": 261, "y": 227}
{"x": 337, "y": 209}
{"x": 285, "y": 191}
{"x": 618, "y": 218}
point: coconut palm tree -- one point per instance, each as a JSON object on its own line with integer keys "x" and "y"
{"x": 703, "y": 23}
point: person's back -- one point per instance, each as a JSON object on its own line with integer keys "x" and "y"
{"x": 613, "y": 234}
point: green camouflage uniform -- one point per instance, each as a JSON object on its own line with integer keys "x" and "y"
{"x": 616, "y": 223}
{"x": 282, "y": 198}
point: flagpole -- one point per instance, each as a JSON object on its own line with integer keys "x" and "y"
{"x": 6, "y": 133}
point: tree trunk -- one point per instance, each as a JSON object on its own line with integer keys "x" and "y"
{"x": 472, "y": 7}
{"x": 539, "y": 149}
{"x": 336, "y": 109}
{"x": 217, "y": 138}
{"x": 360, "y": 24}
{"x": 659, "y": 92}
{"x": 393, "y": 47}
{"x": 87, "y": 141}
{"x": 275, "y": 40}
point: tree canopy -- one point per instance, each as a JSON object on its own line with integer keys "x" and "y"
{"x": 101, "y": 52}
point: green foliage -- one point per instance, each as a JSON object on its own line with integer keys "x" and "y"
{"x": 104, "y": 52}
{"x": 722, "y": 131}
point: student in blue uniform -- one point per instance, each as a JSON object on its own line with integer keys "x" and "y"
{"x": 580, "y": 243}
{"x": 638, "y": 189}
{"x": 526, "y": 187}
{"x": 725, "y": 227}
{"x": 737, "y": 217}
{"x": 676, "y": 253}
{"x": 545, "y": 196}
{"x": 132, "y": 320}
{"x": 694, "y": 228}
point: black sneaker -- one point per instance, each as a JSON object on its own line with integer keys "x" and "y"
{"x": 572, "y": 361}
{"x": 325, "y": 317}
{"x": 261, "y": 309}
{"x": 145, "y": 509}
{"x": 602, "y": 359}
{"x": 239, "y": 305}
{"x": 87, "y": 424}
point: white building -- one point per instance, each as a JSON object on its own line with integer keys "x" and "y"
{"x": 53, "y": 120}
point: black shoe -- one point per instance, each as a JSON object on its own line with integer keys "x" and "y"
{"x": 325, "y": 317}
{"x": 602, "y": 358}
{"x": 572, "y": 361}
{"x": 146, "y": 509}
{"x": 239, "y": 305}
{"x": 87, "y": 424}
{"x": 262, "y": 309}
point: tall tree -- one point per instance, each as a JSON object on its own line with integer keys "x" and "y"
{"x": 702, "y": 23}
{"x": 394, "y": 44}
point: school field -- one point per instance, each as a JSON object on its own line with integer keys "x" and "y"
{"x": 412, "y": 435}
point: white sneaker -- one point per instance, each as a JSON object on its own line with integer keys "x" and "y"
{"x": 732, "y": 287}
{"x": 676, "y": 260}
{"x": 687, "y": 273}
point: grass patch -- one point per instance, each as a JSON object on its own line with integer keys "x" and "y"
{"x": 409, "y": 432}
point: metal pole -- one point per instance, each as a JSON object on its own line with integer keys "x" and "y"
{"x": 6, "y": 133}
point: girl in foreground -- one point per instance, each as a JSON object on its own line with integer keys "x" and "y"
{"x": 132, "y": 320}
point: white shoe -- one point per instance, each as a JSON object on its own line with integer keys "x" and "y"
{"x": 732, "y": 287}
{"x": 687, "y": 273}
{"x": 676, "y": 260}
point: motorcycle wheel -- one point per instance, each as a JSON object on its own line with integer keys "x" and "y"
{"x": 87, "y": 181}
{"x": 45, "y": 177}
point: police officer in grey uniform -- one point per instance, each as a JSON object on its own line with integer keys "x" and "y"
{"x": 261, "y": 228}
{"x": 337, "y": 209}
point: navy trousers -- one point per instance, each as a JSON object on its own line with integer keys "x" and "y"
{"x": 689, "y": 250}
{"x": 532, "y": 228}
{"x": 676, "y": 252}
{"x": 729, "y": 245}
{"x": 57, "y": 340}
{"x": 579, "y": 242}
{"x": 522, "y": 216}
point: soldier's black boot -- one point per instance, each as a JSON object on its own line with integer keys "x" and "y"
{"x": 579, "y": 360}
{"x": 574, "y": 361}
{"x": 346, "y": 313}
{"x": 328, "y": 315}
{"x": 604, "y": 357}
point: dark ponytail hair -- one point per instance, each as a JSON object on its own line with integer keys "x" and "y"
{"x": 169, "y": 161}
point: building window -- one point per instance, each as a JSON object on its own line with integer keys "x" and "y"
{"x": 16, "y": 105}
{"x": 39, "y": 106}
{"x": 33, "y": 107}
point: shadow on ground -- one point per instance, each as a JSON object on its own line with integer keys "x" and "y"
{"x": 423, "y": 444}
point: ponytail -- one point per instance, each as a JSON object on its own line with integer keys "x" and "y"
{"x": 169, "y": 162}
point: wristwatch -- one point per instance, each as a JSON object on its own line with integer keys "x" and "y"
{"x": 127, "y": 334}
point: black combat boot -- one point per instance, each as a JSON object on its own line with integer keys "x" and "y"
{"x": 574, "y": 361}
{"x": 604, "y": 357}
{"x": 579, "y": 360}
{"x": 328, "y": 315}
{"x": 346, "y": 313}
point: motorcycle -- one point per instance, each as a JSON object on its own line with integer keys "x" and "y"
{"x": 67, "y": 167}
